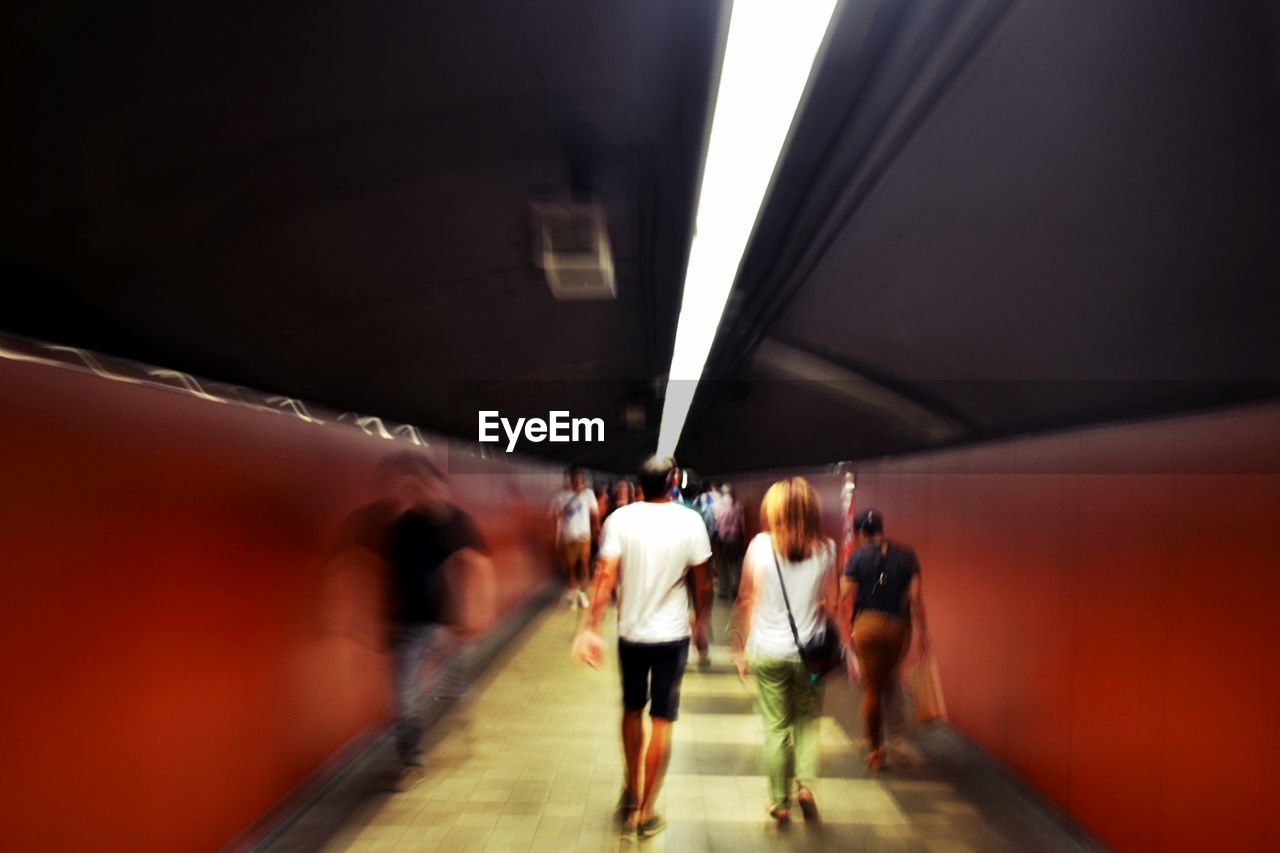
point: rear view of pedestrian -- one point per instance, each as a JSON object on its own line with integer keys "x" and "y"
{"x": 728, "y": 537}
{"x": 881, "y": 584}
{"x": 651, "y": 550}
{"x": 788, "y": 588}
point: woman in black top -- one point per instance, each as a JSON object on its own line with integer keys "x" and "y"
{"x": 879, "y": 593}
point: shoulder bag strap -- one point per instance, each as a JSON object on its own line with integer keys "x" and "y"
{"x": 880, "y": 564}
{"x": 787, "y": 601}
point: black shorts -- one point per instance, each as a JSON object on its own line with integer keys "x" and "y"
{"x": 666, "y": 662}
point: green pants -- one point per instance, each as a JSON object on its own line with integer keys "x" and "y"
{"x": 790, "y": 709}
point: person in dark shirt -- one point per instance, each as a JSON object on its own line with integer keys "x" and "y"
{"x": 420, "y": 544}
{"x": 440, "y": 580}
{"x": 879, "y": 594}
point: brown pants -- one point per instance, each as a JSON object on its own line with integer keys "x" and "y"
{"x": 880, "y": 641}
{"x": 576, "y": 557}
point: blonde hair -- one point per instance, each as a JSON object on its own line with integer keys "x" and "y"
{"x": 792, "y": 514}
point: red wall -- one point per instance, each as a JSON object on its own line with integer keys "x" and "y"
{"x": 187, "y": 628}
{"x": 1104, "y": 606}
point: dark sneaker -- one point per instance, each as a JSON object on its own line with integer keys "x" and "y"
{"x": 626, "y": 805}
{"x": 651, "y": 827}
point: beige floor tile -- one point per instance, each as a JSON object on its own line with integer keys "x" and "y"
{"x": 392, "y": 814}
{"x": 530, "y": 792}
{"x": 476, "y": 807}
{"x": 423, "y": 839}
{"x": 465, "y": 839}
{"x": 508, "y": 841}
{"x": 434, "y": 820}
{"x": 553, "y": 809}
{"x": 490, "y": 794}
{"x": 379, "y": 835}
{"x": 556, "y": 795}
{"x": 507, "y": 772}
{"x": 476, "y": 820}
{"x": 510, "y": 823}
{"x": 374, "y": 847}
{"x": 518, "y": 809}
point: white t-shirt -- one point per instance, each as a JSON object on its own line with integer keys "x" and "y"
{"x": 575, "y": 510}
{"x": 656, "y": 543}
{"x": 771, "y": 635}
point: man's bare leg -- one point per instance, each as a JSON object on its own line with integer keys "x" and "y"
{"x": 572, "y": 578}
{"x": 632, "y": 747}
{"x": 655, "y": 766}
{"x": 580, "y": 572}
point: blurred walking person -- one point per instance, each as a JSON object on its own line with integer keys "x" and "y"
{"x": 730, "y": 532}
{"x": 576, "y": 516}
{"x": 604, "y": 501}
{"x": 620, "y": 496}
{"x": 880, "y": 595}
{"x": 788, "y": 581}
{"x": 441, "y": 581}
{"x": 649, "y": 550}
{"x": 705, "y": 504}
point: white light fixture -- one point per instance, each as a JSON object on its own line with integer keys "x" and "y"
{"x": 770, "y": 50}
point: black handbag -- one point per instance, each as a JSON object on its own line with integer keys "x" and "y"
{"x": 822, "y": 654}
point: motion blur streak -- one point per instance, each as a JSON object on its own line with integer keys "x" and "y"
{"x": 192, "y": 602}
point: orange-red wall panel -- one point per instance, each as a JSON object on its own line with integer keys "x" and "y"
{"x": 1104, "y": 609}
{"x": 187, "y": 631}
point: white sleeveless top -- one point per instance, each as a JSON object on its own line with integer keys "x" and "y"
{"x": 770, "y": 631}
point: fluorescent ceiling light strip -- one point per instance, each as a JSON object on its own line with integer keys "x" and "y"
{"x": 770, "y": 50}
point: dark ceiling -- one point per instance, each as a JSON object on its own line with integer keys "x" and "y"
{"x": 992, "y": 217}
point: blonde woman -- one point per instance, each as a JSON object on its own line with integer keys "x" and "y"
{"x": 791, "y": 555}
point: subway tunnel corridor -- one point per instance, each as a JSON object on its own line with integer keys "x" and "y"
{"x": 338, "y": 341}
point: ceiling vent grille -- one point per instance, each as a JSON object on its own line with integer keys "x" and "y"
{"x": 571, "y": 243}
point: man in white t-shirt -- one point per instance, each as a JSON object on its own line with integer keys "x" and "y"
{"x": 650, "y": 551}
{"x": 576, "y": 514}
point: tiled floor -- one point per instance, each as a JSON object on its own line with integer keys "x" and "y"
{"x": 532, "y": 762}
